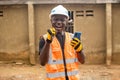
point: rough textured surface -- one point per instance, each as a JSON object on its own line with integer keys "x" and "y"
{"x": 28, "y": 72}
{"x": 14, "y": 31}
{"x": 56, "y": 1}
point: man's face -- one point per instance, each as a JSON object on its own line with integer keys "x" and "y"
{"x": 59, "y": 22}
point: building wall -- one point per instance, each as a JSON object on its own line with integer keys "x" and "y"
{"x": 116, "y": 33}
{"x": 14, "y": 32}
{"x": 92, "y": 26}
{"x": 58, "y": 1}
{"x": 90, "y": 19}
{"x": 42, "y": 21}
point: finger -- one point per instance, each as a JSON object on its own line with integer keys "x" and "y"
{"x": 49, "y": 31}
{"x": 76, "y": 39}
{"x": 77, "y": 46}
{"x": 53, "y": 31}
{"x": 73, "y": 45}
{"x": 73, "y": 42}
{"x": 49, "y": 36}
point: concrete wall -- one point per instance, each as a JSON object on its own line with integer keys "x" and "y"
{"x": 92, "y": 28}
{"x": 58, "y": 1}
{"x": 93, "y": 31}
{"x": 14, "y": 30}
{"x": 116, "y": 33}
{"x": 42, "y": 21}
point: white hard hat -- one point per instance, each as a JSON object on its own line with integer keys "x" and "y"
{"x": 59, "y": 10}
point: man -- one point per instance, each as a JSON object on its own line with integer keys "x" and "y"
{"x": 59, "y": 51}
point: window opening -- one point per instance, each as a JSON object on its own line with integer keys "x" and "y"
{"x": 89, "y": 13}
{"x": 1, "y": 13}
{"x": 69, "y": 27}
{"x": 80, "y": 13}
{"x": 83, "y": 13}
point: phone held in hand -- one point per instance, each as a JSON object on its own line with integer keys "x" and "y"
{"x": 77, "y": 35}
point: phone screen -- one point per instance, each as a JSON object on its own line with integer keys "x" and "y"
{"x": 77, "y": 35}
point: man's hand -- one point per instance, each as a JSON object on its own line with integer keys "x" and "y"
{"x": 50, "y": 34}
{"x": 76, "y": 43}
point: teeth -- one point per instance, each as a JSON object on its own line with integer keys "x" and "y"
{"x": 58, "y": 27}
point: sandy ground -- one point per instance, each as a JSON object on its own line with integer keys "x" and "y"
{"x": 37, "y": 72}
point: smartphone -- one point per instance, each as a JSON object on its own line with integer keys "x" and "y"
{"x": 77, "y": 35}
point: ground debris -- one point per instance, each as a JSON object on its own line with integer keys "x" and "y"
{"x": 37, "y": 72}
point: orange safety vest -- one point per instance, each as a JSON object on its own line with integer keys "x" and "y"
{"x": 55, "y": 66}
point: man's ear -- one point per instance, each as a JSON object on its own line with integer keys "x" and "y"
{"x": 70, "y": 20}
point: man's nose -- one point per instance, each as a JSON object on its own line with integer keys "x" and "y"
{"x": 59, "y": 22}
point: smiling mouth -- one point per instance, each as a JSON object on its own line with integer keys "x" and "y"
{"x": 58, "y": 28}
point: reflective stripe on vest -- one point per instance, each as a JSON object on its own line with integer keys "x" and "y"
{"x": 61, "y": 61}
{"x": 62, "y": 74}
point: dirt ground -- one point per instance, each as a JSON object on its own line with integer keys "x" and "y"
{"x": 37, "y": 72}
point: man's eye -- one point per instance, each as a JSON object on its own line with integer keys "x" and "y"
{"x": 59, "y": 20}
{"x": 62, "y": 20}
{"x": 55, "y": 19}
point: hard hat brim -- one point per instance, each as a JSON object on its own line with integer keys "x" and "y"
{"x": 58, "y": 14}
